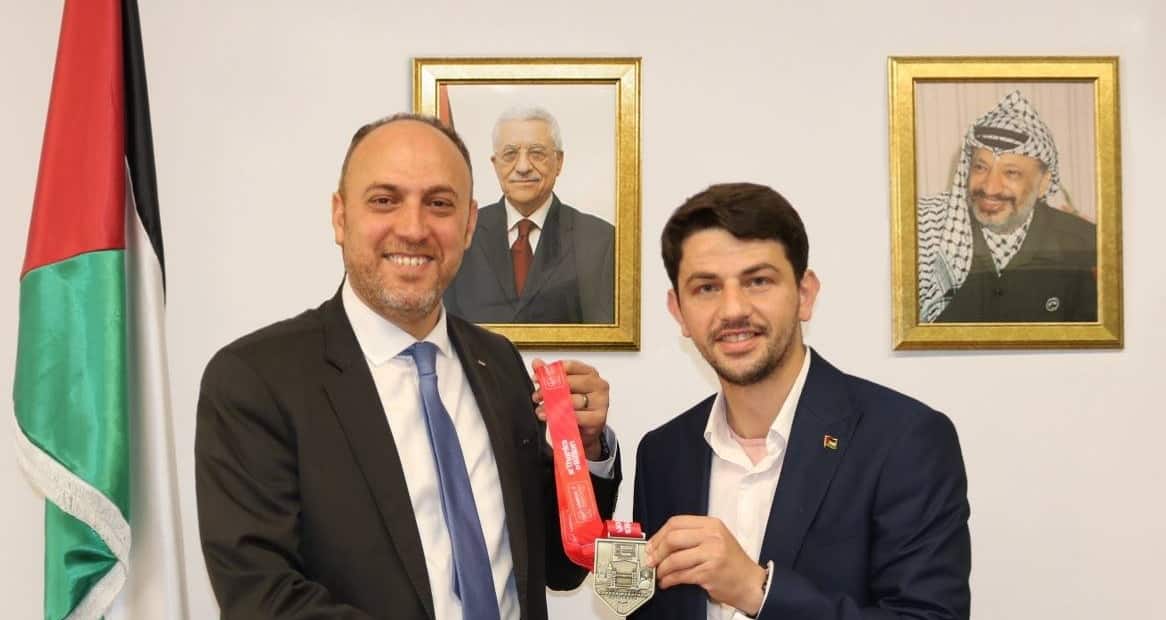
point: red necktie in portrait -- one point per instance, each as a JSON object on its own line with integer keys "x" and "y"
{"x": 521, "y": 254}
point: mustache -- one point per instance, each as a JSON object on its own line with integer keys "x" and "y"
{"x": 736, "y": 325}
{"x": 407, "y": 247}
{"x": 980, "y": 194}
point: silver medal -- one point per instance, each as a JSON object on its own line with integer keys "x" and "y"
{"x": 621, "y": 577}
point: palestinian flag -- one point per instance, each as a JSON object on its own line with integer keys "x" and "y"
{"x": 91, "y": 390}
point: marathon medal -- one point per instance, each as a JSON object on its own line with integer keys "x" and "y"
{"x": 622, "y": 579}
{"x": 615, "y": 551}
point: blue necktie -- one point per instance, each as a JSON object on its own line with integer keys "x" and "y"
{"x": 473, "y": 581}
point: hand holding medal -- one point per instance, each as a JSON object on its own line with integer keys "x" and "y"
{"x": 614, "y": 551}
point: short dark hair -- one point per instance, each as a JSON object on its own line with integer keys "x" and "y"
{"x": 744, "y": 210}
{"x": 437, "y": 124}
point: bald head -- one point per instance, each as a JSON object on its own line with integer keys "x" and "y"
{"x": 365, "y": 130}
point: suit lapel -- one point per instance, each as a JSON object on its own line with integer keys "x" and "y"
{"x": 485, "y": 385}
{"x": 495, "y": 246}
{"x": 695, "y": 469}
{"x": 358, "y": 407}
{"x": 555, "y": 243}
{"x": 823, "y": 410}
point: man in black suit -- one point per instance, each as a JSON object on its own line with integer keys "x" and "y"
{"x": 324, "y": 483}
{"x": 797, "y": 491}
{"x": 534, "y": 259}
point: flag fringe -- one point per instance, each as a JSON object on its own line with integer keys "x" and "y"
{"x": 101, "y": 596}
{"x": 76, "y": 497}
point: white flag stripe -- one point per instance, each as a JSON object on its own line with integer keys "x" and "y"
{"x": 156, "y": 585}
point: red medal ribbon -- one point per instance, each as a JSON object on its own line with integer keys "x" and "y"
{"x": 579, "y": 521}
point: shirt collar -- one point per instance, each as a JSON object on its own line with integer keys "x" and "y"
{"x": 538, "y": 217}
{"x": 718, "y": 434}
{"x": 379, "y": 339}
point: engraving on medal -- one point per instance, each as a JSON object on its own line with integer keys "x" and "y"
{"x": 622, "y": 579}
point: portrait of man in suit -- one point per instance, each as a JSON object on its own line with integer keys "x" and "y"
{"x": 534, "y": 258}
{"x": 797, "y": 490}
{"x": 378, "y": 456}
{"x": 1002, "y": 242}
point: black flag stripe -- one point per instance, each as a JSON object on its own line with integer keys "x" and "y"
{"x": 139, "y": 135}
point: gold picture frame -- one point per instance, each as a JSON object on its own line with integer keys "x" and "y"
{"x": 933, "y": 103}
{"x": 603, "y": 94}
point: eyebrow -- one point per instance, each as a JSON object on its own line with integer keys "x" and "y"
{"x": 748, "y": 271}
{"x": 396, "y": 189}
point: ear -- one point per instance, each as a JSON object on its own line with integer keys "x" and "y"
{"x": 674, "y": 310}
{"x": 471, "y": 223}
{"x": 807, "y": 294}
{"x": 562, "y": 157}
{"x": 338, "y": 218}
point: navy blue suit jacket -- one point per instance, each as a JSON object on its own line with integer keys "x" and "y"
{"x": 875, "y": 528}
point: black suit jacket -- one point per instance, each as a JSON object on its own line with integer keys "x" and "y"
{"x": 302, "y": 502}
{"x": 572, "y": 278}
{"x": 875, "y": 528}
{"x": 1053, "y": 277}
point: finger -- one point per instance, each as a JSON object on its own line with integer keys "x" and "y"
{"x": 586, "y": 383}
{"x": 680, "y": 562}
{"x": 690, "y": 576}
{"x": 582, "y": 402}
{"x": 672, "y": 540}
{"x": 535, "y": 364}
{"x": 691, "y": 522}
{"x": 575, "y": 367}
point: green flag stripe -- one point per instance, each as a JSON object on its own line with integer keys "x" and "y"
{"x": 80, "y": 571}
{"x": 70, "y": 387}
{"x": 70, "y": 394}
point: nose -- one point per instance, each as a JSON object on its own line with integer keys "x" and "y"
{"x": 735, "y": 303}
{"x": 410, "y": 224}
{"x": 522, "y": 164}
{"x": 995, "y": 181}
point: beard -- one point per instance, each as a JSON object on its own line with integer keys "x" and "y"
{"x": 1021, "y": 207}
{"x": 389, "y": 303}
{"x": 774, "y": 354}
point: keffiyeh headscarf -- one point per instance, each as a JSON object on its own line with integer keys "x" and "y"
{"x": 944, "y": 222}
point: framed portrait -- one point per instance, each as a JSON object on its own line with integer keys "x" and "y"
{"x": 554, "y": 146}
{"x": 1006, "y": 202}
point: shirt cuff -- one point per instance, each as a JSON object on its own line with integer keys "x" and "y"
{"x": 768, "y": 587}
{"x": 606, "y": 467}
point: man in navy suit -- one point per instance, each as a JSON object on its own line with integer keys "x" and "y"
{"x": 797, "y": 491}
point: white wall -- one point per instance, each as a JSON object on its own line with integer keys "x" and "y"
{"x": 254, "y": 102}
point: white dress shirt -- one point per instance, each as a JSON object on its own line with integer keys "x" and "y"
{"x": 398, "y": 386}
{"x": 399, "y": 389}
{"x": 741, "y": 492}
{"x": 539, "y": 217}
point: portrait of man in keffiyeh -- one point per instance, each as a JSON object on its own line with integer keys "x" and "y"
{"x": 991, "y": 249}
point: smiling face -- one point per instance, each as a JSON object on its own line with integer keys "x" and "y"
{"x": 527, "y": 163}
{"x": 1003, "y": 190}
{"x": 404, "y": 218}
{"x": 739, "y": 302}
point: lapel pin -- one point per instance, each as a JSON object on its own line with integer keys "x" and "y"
{"x": 830, "y": 442}
{"x": 481, "y": 363}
